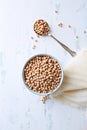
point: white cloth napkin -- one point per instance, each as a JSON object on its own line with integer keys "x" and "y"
{"x": 74, "y": 87}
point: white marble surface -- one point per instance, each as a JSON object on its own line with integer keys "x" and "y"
{"x": 20, "y": 109}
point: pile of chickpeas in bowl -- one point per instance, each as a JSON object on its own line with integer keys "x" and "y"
{"x": 42, "y": 74}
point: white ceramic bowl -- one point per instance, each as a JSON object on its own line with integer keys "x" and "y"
{"x": 59, "y": 84}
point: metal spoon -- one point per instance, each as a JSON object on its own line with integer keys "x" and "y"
{"x": 42, "y": 28}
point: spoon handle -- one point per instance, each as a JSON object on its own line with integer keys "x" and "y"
{"x": 72, "y": 53}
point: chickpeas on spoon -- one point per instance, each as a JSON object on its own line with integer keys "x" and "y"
{"x": 42, "y": 28}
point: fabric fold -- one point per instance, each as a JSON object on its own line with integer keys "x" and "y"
{"x": 74, "y": 87}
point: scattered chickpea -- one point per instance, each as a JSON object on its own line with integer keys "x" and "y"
{"x": 44, "y": 99}
{"x": 34, "y": 47}
{"x": 60, "y": 24}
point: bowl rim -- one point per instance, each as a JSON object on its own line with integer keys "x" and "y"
{"x": 59, "y": 84}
